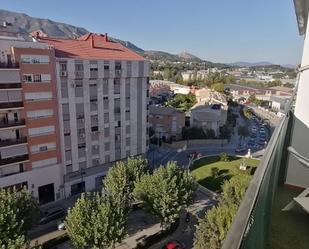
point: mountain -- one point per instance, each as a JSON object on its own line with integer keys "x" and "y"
{"x": 24, "y": 24}
{"x": 188, "y": 56}
{"x": 250, "y": 64}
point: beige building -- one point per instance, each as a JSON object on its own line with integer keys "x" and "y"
{"x": 103, "y": 96}
{"x": 208, "y": 116}
{"x": 166, "y": 121}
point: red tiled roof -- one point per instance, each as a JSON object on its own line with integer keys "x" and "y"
{"x": 82, "y": 48}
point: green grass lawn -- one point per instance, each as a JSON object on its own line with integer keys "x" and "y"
{"x": 202, "y": 171}
{"x": 289, "y": 229}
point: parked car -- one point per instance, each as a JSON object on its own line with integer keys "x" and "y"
{"x": 61, "y": 225}
{"x": 52, "y": 214}
{"x": 174, "y": 244}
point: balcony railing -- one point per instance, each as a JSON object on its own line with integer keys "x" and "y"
{"x": 15, "y": 159}
{"x": 9, "y": 65}
{"x": 10, "y": 86}
{"x": 9, "y": 105}
{"x": 250, "y": 228}
{"x": 9, "y": 142}
{"x": 7, "y": 124}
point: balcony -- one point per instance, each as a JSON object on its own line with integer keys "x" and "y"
{"x": 260, "y": 221}
{"x": 12, "y": 160}
{"x": 9, "y": 142}
{"x": 11, "y": 105}
{"x": 9, "y": 65}
{"x": 10, "y": 86}
{"x": 9, "y": 124}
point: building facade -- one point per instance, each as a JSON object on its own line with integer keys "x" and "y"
{"x": 103, "y": 101}
{"x": 29, "y": 133}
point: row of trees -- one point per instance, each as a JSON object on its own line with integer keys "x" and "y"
{"x": 213, "y": 228}
{"x": 100, "y": 220}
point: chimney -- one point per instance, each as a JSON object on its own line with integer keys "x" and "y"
{"x": 92, "y": 41}
{"x": 106, "y": 37}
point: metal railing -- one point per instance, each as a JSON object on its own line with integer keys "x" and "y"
{"x": 8, "y": 105}
{"x": 15, "y": 159}
{"x": 10, "y": 85}
{"x": 9, "y": 65}
{"x": 6, "y": 124}
{"x": 251, "y": 223}
{"x": 9, "y": 142}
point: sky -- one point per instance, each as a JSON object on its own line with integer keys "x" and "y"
{"x": 214, "y": 30}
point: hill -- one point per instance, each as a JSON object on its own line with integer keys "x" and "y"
{"x": 188, "y": 56}
{"x": 24, "y": 24}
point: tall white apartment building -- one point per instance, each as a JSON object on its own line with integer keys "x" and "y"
{"x": 102, "y": 90}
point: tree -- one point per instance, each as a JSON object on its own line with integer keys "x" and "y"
{"x": 212, "y": 229}
{"x": 166, "y": 192}
{"x": 243, "y": 131}
{"x": 218, "y": 87}
{"x": 234, "y": 189}
{"x": 183, "y": 102}
{"x": 19, "y": 212}
{"x": 96, "y": 221}
{"x": 121, "y": 178}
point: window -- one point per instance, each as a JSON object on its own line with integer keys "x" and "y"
{"x": 63, "y": 66}
{"x": 42, "y": 147}
{"x": 118, "y": 124}
{"x": 106, "y": 132}
{"x": 40, "y": 113}
{"x": 106, "y": 65}
{"x": 37, "y": 96}
{"x": 44, "y": 130}
{"x": 117, "y": 65}
{"x": 117, "y": 138}
{"x": 34, "y": 59}
{"x": 37, "y": 78}
{"x": 79, "y": 67}
{"x": 27, "y": 77}
{"x": 107, "y": 146}
{"x": 94, "y": 128}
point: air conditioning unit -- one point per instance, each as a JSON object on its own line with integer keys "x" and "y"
{"x": 82, "y": 135}
{"x": 118, "y": 72}
{"x": 63, "y": 73}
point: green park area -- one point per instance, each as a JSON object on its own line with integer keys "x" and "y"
{"x": 212, "y": 171}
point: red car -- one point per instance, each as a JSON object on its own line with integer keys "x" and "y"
{"x": 173, "y": 245}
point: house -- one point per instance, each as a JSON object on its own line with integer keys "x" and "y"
{"x": 208, "y": 116}
{"x": 167, "y": 122}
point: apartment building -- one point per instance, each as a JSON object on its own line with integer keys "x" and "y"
{"x": 103, "y": 97}
{"x": 167, "y": 122}
{"x": 29, "y": 138}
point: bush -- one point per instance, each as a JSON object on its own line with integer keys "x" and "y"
{"x": 224, "y": 157}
